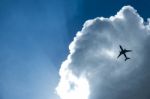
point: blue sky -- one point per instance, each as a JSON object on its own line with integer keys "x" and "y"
{"x": 34, "y": 39}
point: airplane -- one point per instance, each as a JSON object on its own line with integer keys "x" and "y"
{"x": 124, "y": 51}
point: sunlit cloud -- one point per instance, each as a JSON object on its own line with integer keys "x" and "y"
{"x": 72, "y": 87}
{"x": 92, "y": 70}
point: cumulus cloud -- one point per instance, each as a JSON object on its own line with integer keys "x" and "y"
{"x": 92, "y": 70}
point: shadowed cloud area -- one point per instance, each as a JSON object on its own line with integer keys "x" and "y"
{"x": 92, "y": 70}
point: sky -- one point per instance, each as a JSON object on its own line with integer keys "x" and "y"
{"x": 35, "y": 36}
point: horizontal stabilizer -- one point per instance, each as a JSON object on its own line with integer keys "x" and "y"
{"x": 127, "y": 58}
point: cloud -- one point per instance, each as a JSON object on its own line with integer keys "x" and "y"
{"x": 92, "y": 71}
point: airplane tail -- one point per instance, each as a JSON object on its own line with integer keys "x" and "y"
{"x": 127, "y": 58}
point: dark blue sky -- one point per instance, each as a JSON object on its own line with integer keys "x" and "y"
{"x": 34, "y": 39}
{"x": 89, "y": 9}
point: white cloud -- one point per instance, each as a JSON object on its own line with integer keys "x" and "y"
{"x": 92, "y": 70}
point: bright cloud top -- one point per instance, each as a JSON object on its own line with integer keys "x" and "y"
{"x": 92, "y": 70}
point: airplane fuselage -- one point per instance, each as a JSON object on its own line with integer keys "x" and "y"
{"x": 124, "y": 51}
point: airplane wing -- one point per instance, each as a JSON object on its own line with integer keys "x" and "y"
{"x": 128, "y": 50}
{"x": 119, "y": 55}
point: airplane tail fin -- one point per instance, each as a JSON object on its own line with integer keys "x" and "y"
{"x": 127, "y": 58}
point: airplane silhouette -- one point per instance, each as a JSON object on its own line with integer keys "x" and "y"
{"x": 124, "y": 51}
